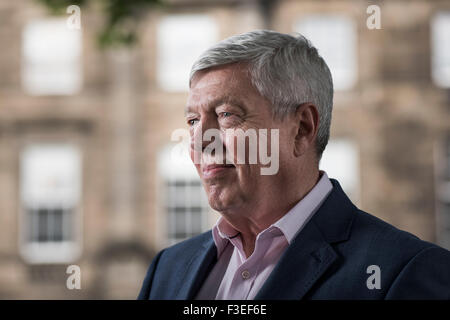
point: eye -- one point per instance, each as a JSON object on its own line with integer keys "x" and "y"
{"x": 226, "y": 114}
{"x": 191, "y": 122}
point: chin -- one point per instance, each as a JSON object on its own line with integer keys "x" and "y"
{"x": 217, "y": 203}
{"x": 220, "y": 199}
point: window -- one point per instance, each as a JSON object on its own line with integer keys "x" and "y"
{"x": 334, "y": 36}
{"x": 186, "y": 209}
{"x": 181, "y": 40}
{"x": 50, "y": 202}
{"x": 51, "y": 55}
{"x": 340, "y": 160}
{"x": 440, "y": 55}
{"x": 185, "y": 206}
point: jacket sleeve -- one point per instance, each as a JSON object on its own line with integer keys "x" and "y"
{"x": 425, "y": 276}
{"x": 144, "y": 294}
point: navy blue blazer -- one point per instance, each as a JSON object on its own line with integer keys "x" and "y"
{"x": 328, "y": 259}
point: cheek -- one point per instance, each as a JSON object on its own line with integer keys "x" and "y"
{"x": 239, "y": 155}
{"x": 284, "y": 143}
{"x": 197, "y": 164}
{"x": 228, "y": 143}
{"x": 195, "y": 156}
{"x": 247, "y": 177}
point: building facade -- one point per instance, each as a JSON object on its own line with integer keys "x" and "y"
{"x": 88, "y": 175}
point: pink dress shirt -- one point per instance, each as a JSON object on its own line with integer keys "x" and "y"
{"x": 236, "y": 277}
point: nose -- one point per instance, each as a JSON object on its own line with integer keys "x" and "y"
{"x": 200, "y": 140}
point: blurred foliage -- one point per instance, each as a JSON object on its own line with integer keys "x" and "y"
{"x": 59, "y": 7}
{"x": 121, "y": 18}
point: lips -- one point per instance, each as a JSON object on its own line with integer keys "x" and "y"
{"x": 216, "y": 169}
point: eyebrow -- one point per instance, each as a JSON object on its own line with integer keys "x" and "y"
{"x": 218, "y": 102}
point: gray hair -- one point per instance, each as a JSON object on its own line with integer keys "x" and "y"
{"x": 287, "y": 70}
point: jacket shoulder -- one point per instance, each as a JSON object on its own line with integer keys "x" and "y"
{"x": 382, "y": 239}
{"x": 406, "y": 264}
{"x": 164, "y": 276}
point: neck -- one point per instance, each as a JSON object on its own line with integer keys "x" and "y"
{"x": 252, "y": 219}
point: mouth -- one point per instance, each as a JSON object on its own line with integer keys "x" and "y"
{"x": 213, "y": 170}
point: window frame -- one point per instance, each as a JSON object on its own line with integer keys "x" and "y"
{"x": 439, "y": 79}
{"x": 50, "y": 252}
{"x": 163, "y": 76}
{"x": 170, "y": 170}
{"x": 32, "y": 67}
{"x": 352, "y": 77}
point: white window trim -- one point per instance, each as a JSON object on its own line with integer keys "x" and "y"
{"x": 440, "y": 76}
{"x": 354, "y": 159}
{"x": 163, "y": 77}
{"x": 51, "y": 252}
{"x": 170, "y": 165}
{"x": 30, "y": 70}
{"x": 352, "y": 75}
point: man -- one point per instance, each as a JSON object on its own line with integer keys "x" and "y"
{"x": 293, "y": 234}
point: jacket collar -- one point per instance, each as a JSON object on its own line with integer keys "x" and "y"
{"x": 311, "y": 253}
{"x": 197, "y": 269}
{"x": 308, "y": 256}
{"x": 335, "y": 217}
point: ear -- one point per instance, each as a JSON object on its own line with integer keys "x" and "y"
{"x": 307, "y": 123}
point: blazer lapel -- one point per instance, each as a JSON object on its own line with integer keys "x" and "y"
{"x": 308, "y": 257}
{"x": 196, "y": 270}
{"x": 304, "y": 261}
{"x": 310, "y": 254}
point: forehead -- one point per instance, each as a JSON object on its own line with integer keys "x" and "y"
{"x": 226, "y": 83}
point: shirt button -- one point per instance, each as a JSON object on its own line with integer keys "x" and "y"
{"x": 245, "y": 274}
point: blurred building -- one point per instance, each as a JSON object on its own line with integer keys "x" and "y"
{"x": 87, "y": 172}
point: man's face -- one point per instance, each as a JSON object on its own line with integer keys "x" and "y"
{"x": 223, "y": 98}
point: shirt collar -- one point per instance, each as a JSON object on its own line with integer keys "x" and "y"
{"x": 290, "y": 224}
{"x": 223, "y": 232}
{"x": 296, "y": 218}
